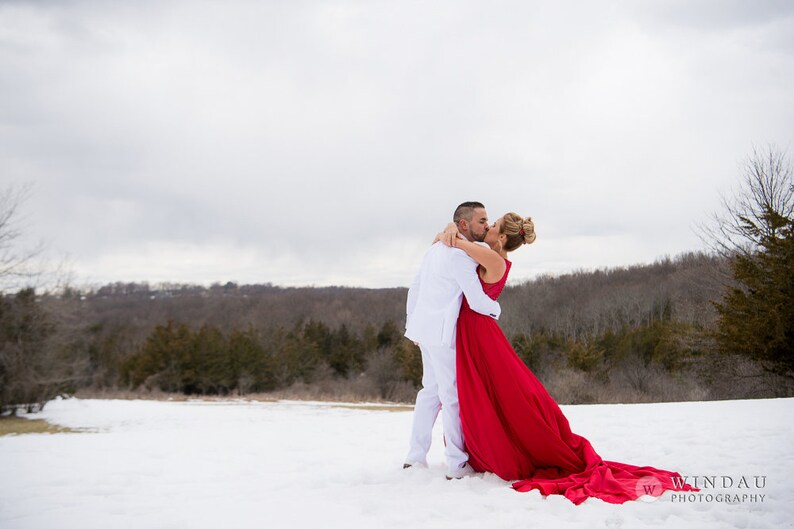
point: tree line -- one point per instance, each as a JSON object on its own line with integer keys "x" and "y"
{"x": 178, "y": 358}
{"x": 717, "y": 324}
{"x": 646, "y": 332}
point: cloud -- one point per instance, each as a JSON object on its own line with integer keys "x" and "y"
{"x": 326, "y": 142}
{"x": 711, "y": 15}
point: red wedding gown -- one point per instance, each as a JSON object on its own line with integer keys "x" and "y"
{"x": 513, "y": 428}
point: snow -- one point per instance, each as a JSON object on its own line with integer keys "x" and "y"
{"x": 239, "y": 464}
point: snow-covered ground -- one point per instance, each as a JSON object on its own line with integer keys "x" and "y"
{"x": 149, "y": 464}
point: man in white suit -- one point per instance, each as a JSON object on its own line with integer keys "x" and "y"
{"x": 434, "y": 299}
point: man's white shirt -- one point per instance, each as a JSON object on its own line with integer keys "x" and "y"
{"x": 436, "y": 294}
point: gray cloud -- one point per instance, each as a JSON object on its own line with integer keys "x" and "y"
{"x": 326, "y": 142}
{"x": 712, "y": 15}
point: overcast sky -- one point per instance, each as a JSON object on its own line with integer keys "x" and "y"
{"x": 325, "y": 142}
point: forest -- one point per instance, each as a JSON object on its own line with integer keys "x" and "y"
{"x": 635, "y": 334}
{"x": 716, "y": 324}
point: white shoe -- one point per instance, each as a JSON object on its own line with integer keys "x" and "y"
{"x": 411, "y": 465}
{"x": 461, "y": 472}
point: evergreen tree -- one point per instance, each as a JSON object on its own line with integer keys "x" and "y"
{"x": 756, "y": 315}
{"x": 162, "y": 359}
{"x": 251, "y": 367}
{"x": 206, "y": 367}
{"x": 408, "y": 358}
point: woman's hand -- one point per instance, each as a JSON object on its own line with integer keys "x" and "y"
{"x": 449, "y": 236}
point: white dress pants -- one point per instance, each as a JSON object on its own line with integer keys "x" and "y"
{"x": 439, "y": 390}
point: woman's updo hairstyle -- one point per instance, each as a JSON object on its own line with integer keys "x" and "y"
{"x": 519, "y": 231}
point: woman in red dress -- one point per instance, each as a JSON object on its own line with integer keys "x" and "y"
{"x": 511, "y": 425}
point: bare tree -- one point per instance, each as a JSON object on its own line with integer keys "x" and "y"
{"x": 40, "y": 350}
{"x": 15, "y": 262}
{"x": 757, "y": 210}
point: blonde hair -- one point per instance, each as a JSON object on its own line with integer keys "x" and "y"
{"x": 519, "y": 231}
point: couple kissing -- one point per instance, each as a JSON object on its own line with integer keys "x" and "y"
{"x": 497, "y": 416}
